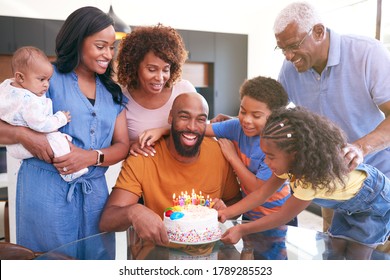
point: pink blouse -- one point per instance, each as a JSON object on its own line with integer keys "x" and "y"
{"x": 140, "y": 119}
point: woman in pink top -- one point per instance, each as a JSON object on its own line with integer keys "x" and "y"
{"x": 150, "y": 61}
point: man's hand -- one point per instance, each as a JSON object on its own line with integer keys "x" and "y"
{"x": 149, "y": 227}
{"x": 353, "y": 155}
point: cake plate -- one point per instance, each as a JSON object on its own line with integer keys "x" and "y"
{"x": 221, "y": 226}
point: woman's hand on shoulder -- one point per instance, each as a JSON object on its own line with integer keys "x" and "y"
{"x": 150, "y": 136}
{"x": 135, "y": 150}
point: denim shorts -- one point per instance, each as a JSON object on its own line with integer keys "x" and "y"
{"x": 364, "y": 218}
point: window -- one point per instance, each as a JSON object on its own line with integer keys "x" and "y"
{"x": 385, "y": 24}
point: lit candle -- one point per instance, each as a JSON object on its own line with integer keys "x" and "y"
{"x": 194, "y": 201}
{"x": 207, "y": 202}
{"x": 201, "y": 198}
{"x": 174, "y": 200}
{"x": 181, "y": 199}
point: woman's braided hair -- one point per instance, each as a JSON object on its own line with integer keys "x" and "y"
{"x": 316, "y": 142}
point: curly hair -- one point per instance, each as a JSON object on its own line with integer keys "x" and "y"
{"x": 316, "y": 141}
{"x": 265, "y": 90}
{"x": 165, "y": 42}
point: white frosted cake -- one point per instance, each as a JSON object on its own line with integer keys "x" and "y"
{"x": 192, "y": 224}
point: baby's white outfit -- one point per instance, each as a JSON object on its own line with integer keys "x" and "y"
{"x": 21, "y": 107}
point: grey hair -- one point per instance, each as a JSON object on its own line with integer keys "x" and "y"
{"x": 303, "y": 13}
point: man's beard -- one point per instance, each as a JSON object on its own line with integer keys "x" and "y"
{"x": 184, "y": 150}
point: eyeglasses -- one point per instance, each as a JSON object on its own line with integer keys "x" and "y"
{"x": 295, "y": 47}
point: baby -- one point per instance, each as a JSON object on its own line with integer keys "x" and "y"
{"x": 23, "y": 103}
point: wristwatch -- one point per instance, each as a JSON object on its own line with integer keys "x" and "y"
{"x": 100, "y": 157}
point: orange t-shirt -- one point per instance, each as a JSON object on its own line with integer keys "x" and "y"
{"x": 158, "y": 177}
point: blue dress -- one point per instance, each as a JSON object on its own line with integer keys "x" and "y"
{"x": 49, "y": 211}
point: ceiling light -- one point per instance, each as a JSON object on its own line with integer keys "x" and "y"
{"x": 121, "y": 28}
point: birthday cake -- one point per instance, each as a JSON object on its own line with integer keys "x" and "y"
{"x": 192, "y": 224}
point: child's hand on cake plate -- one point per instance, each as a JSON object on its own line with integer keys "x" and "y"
{"x": 232, "y": 235}
{"x": 218, "y": 204}
{"x": 222, "y": 217}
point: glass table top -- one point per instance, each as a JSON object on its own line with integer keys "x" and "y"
{"x": 282, "y": 243}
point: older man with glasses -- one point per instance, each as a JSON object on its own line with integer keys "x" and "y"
{"x": 343, "y": 77}
{"x": 294, "y": 47}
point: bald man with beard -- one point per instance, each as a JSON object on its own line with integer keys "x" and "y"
{"x": 184, "y": 160}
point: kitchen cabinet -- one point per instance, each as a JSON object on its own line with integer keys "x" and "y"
{"x": 17, "y": 32}
{"x": 51, "y": 29}
{"x": 7, "y": 43}
{"x": 227, "y": 57}
{"x": 29, "y": 32}
{"x": 199, "y": 44}
{"x": 230, "y": 71}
